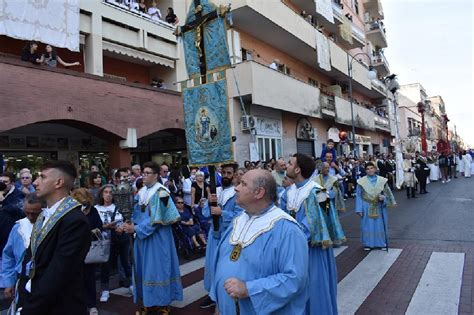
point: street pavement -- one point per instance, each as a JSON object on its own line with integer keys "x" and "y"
{"x": 428, "y": 268}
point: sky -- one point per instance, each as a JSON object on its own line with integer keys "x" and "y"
{"x": 431, "y": 42}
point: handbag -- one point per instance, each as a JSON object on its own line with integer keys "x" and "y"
{"x": 99, "y": 251}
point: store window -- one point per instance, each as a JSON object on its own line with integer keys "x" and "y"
{"x": 268, "y": 148}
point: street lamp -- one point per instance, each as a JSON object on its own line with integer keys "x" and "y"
{"x": 371, "y": 75}
{"x": 421, "y": 110}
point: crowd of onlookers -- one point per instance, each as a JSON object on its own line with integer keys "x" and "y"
{"x": 48, "y": 58}
{"x": 190, "y": 189}
{"x": 147, "y": 9}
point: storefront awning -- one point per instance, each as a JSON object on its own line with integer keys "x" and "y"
{"x": 122, "y": 50}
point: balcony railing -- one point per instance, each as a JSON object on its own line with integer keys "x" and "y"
{"x": 379, "y": 57}
{"x": 328, "y": 105}
{"x": 337, "y": 9}
{"x": 123, "y": 7}
{"x": 358, "y": 33}
{"x": 375, "y": 25}
{"x": 382, "y": 122}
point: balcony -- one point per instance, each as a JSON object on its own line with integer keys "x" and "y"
{"x": 125, "y": 28}
{"x": 328, "y": 105}
{"x": 338, "y": 11}
{"x": 378, "y": 86}
{"x": 376, "y": 34}
{"x": 380, "y": 64}
{"x": 358, "y": 36}
{"x": 275, "y": 23}
{"x": 381, "y": 123}
{"x": 374, "y": 7}
{"x": 363, "y": 118}
{"x": 271, "y": 88}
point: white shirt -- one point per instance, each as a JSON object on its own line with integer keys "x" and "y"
{"x": 48, "y": 212}
{"x": 155, "y": 13}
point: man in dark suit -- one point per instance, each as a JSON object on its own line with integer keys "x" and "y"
{"x": 51, "y": 280}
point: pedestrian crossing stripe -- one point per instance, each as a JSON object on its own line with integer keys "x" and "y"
{"x": 438, "y": 290}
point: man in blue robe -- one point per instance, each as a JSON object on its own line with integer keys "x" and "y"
{"x": 227, "y": 209}
{"x": 18, "y": 242}
{"x": 157, "y": 280}
{"x": 262, "y": 258}
{"x": 373, "y": 196}
{"x": 331, "y": 201}
{"x": 300, "y": 201}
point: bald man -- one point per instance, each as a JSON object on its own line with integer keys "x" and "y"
{"x": 262, "y": 258}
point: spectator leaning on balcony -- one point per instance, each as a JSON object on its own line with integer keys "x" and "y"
{"x": 142, "y": 6}
{"x": 51, "y": 58}
{"x": 29, "y": 53}
{"x": 171, "y": 17}
{"x": 154, "y": 12}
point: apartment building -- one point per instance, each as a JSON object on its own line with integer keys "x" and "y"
{"x": 435, "y": 116}
{"x": 103, "y": 111}
{"x": 294, "y": 103}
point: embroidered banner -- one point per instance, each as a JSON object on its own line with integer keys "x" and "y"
{"x": 48, "y": 21}
{"x": 207, "y": 125}
{"x": 322, "y": 49}
{"x": 211, "y": 30}
{"x": 324, "y": 7}
{"x": 215, "y": 43}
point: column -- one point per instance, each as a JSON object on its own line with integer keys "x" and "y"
{"x": 118, "y": 157}
{"x": 93, "y": 47}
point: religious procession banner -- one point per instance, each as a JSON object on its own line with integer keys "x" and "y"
{"x": 206, "y": 120}
{"x": 206, "y": 108}
{"x": 211, "y": 29}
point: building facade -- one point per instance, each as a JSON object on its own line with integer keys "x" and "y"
{"x": 294, "y": 102}
{"x": 104, "y": 111}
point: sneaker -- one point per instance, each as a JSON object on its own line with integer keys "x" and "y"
{"x": 448, "y": 180}
{"x": 207, "y": 303}
{"x": 443, "y": 182}
{"x": 93, "y": 311}
{"x": 104, "y": 297}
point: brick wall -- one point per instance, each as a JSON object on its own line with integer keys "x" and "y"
{"x": 31, "y": 94}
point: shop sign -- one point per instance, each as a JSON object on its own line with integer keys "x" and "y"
{"x": 268, "y": 127}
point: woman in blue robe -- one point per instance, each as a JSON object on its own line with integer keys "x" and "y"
{"x": 373, "y": 197}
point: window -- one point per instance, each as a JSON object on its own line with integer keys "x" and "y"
{"x": 268, "y": 148}
{"x": 356, "y": 6}
{"x": 246, "y": 54}
{"x": 312, "y": 82}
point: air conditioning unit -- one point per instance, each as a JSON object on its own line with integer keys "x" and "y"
{"x": 247, "y": 123}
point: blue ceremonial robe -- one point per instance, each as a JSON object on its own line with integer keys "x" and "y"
{"x": 12, "y": 258}
{"x": 374, "y": 222}
{"x": 157, "y": 280}
{"x": 322, "y": 263}
{"x": 274, "y": 268}
{"x": 229, "y": 211}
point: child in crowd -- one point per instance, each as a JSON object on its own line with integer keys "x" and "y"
{"x": 329, "y": 147}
